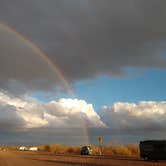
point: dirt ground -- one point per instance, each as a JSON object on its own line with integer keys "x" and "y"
{"x": 11, "y": 158}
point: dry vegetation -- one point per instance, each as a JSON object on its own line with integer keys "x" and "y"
{"x": 122, "y": 150}
{"x": 114, "y": 150}
{"x": 60, "y": 149}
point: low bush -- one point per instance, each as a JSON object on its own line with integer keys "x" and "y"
{"x": 112, "y": 149}
{"x": 47, "y": 148}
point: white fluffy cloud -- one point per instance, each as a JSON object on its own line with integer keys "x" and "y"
{"x": 140, "y": 116}
{"x": 30, "y": 113}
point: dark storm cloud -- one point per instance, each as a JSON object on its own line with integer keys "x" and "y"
{"x": 86, "y": 38}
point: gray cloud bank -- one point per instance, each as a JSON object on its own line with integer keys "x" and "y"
{"x": 142, "y": 116}
{"x": 85, "y": 38}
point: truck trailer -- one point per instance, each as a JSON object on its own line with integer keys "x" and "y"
{"x": 153, "y": 150}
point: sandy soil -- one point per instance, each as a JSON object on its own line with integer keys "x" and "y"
{"x": 10, "y": 158}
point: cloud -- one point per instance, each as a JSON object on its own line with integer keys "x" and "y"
{"x": 145, "y": 115}
{"x": 28, "y": 118}
{"x": 64, "y": 113}
{"x": 85, "y": 38}
{"x": 9, "y": 118}
{"x": 22, "y": 67}
{"x": 29, "y": 113}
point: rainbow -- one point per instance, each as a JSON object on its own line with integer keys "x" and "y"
{"x": 41, "y": 53}
{"x": 52, "y": 65}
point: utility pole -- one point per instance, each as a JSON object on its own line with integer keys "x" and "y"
{"x": 100, "y": 139}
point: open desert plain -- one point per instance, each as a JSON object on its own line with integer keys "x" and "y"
{"x": 16, "y": 158}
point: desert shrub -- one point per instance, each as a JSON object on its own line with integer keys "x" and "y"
{"x": 77, "y": 150}
{"x": 95, "y": 149}
{"x": 118, "y": 150}
{"x": 70, "y": 150}
{"x": 107, "y": 151}
{"x": 134, "y": 149}
{"x": 47, "y": 148}
{"x": 59, "y": 149}
{"x": 112, "y": 149}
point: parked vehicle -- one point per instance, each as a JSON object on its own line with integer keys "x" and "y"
{"x": 33, "y": 149}
{"x": 86, "y": 150}
{"x": 23, "y": 148}
{"x": 153, "y": 150}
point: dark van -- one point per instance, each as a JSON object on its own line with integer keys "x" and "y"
{"x": 153, "y": 150}
{"x": 86, "y": 150}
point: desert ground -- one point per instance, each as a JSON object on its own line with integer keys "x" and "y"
{"x": 16, "y": 158}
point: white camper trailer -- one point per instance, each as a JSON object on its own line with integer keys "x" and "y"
{"x": 23, "y": 148}
{"x": 33, "y": 148}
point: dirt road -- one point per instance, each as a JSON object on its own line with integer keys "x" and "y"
{"x": 9, "y": 158}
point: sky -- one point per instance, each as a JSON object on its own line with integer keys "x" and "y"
{"x": 98, "y": 67}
